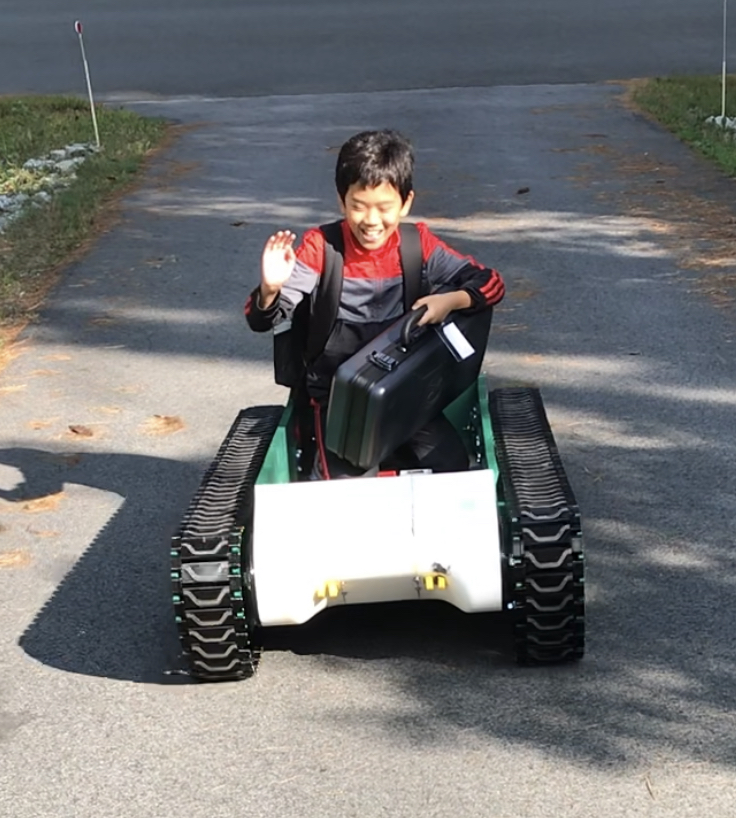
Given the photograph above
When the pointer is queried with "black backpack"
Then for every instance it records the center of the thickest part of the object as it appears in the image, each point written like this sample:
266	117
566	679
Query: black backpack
297	343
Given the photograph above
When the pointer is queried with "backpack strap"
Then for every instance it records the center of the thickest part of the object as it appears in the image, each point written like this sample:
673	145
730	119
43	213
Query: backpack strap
327	297
411	263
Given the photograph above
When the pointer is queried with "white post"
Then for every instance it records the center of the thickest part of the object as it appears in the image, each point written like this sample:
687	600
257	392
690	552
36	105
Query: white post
78	29
724	75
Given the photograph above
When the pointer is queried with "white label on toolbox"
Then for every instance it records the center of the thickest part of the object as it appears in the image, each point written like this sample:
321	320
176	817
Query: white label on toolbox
457	341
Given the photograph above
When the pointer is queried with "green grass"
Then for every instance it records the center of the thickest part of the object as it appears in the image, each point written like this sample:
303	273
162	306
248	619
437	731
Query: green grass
35	244
682	104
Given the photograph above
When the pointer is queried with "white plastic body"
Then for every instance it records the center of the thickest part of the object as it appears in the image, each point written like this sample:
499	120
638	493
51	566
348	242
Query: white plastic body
376	539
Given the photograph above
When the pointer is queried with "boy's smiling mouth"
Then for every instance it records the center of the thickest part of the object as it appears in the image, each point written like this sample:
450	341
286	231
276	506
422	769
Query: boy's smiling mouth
372	235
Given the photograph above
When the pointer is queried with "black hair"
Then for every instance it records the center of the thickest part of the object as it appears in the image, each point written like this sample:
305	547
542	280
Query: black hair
371	158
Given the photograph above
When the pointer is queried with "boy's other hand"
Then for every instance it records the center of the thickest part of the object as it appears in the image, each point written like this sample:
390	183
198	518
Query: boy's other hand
440	305
277	264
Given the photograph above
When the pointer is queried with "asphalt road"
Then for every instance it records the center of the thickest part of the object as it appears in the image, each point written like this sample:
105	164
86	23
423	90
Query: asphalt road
116	399
229	48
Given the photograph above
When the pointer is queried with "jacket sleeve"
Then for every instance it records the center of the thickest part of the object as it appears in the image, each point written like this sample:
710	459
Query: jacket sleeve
300	284
447	270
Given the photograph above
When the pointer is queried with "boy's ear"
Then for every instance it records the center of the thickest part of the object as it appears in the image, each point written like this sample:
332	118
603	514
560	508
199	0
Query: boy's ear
406	207
341	204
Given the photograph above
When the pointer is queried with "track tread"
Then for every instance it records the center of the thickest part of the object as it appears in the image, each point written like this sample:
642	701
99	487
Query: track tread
543	532
212	586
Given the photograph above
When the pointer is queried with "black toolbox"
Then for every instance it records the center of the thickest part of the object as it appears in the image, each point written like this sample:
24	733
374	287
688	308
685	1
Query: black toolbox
406	376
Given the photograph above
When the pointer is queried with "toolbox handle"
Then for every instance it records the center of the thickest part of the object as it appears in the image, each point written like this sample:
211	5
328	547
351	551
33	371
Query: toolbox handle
410	324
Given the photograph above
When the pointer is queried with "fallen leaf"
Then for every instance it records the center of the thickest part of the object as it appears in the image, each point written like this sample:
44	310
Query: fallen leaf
82	431
45	372
237	224
523	190
163	425
14	559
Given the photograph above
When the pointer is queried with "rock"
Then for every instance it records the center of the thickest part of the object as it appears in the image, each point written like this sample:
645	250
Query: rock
69	165
42	197
54	181
39	164
58	156
722	122
79	149
6	203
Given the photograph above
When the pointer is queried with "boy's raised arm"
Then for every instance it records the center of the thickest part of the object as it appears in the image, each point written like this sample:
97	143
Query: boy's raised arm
277	264
285	280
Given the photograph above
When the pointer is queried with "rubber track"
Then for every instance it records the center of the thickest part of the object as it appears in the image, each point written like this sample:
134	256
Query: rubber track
212	586
543	538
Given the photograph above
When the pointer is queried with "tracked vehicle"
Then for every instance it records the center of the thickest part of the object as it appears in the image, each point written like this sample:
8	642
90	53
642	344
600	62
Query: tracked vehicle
261	545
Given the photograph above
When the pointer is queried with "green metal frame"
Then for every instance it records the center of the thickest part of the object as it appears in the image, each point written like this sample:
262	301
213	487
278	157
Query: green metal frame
279	465
468	413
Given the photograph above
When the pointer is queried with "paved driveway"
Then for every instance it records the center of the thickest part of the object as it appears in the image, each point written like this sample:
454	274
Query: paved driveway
119	395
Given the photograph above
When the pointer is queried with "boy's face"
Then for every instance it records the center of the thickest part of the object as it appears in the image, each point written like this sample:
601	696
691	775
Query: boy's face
374	213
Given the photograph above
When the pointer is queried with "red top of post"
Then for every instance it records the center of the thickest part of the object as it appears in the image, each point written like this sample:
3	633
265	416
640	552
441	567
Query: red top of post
78	27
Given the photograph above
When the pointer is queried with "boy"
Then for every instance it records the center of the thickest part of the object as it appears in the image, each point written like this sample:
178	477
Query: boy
373	177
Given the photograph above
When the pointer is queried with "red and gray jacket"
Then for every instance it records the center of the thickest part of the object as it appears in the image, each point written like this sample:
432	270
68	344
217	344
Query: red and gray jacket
372	293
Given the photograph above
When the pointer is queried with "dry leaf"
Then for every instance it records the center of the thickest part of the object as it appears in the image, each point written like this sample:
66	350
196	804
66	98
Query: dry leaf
81	431
163	425
14	559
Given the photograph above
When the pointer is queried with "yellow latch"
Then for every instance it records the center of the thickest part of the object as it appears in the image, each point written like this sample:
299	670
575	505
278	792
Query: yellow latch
435	581
330	589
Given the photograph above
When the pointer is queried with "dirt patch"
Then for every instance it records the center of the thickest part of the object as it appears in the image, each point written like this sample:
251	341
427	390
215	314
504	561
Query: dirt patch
37	425
107	410
8	390
56	357
43	534
37	505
